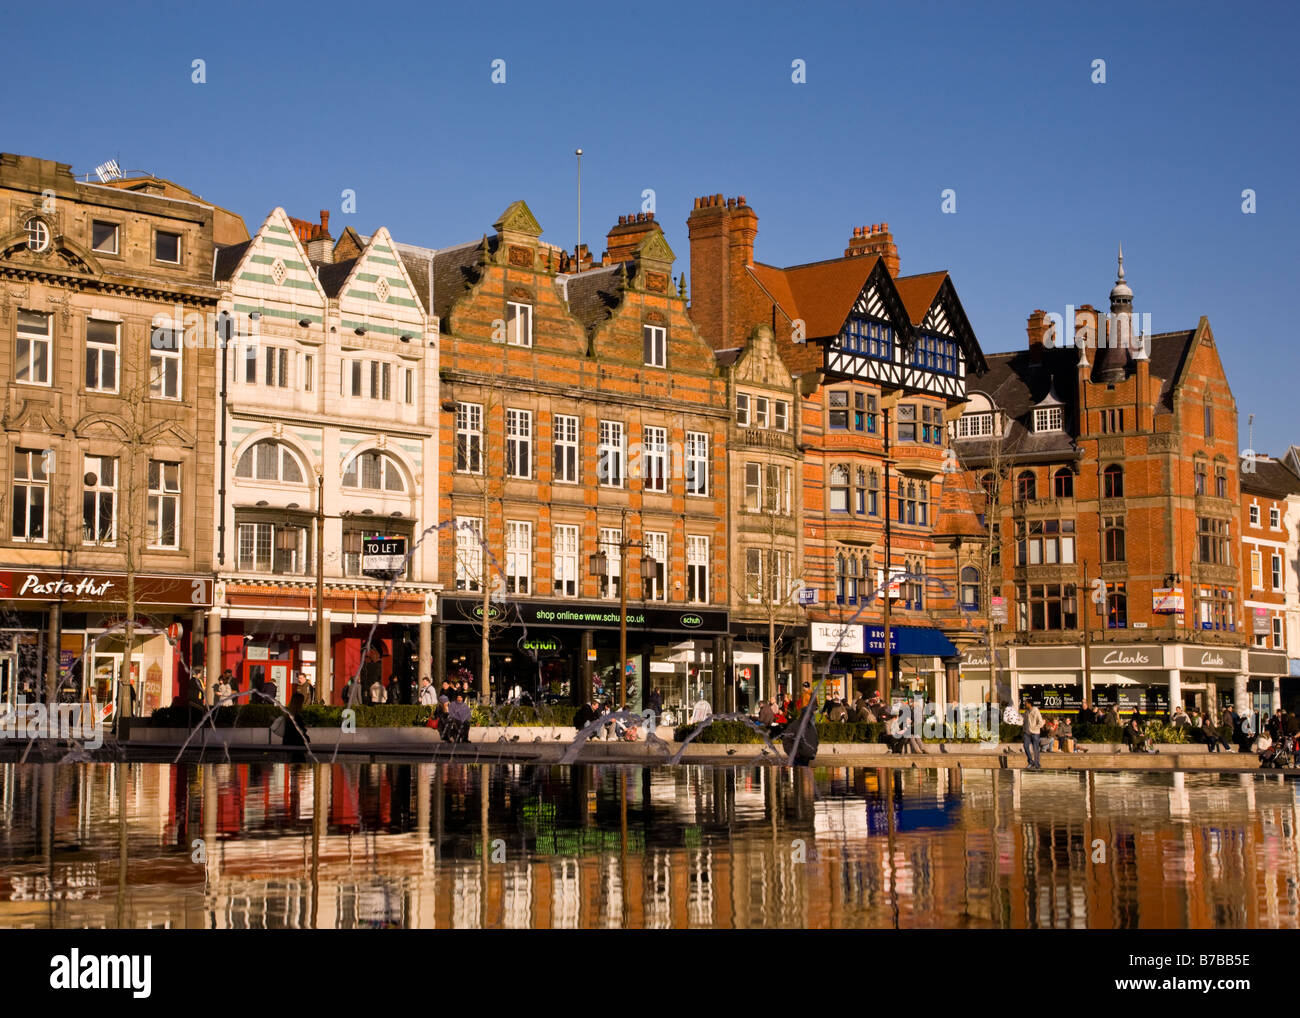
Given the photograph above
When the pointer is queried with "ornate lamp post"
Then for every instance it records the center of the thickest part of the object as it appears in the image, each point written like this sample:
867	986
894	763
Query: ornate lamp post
597	565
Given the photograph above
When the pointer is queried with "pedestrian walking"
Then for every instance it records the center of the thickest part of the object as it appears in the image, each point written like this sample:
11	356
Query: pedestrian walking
1033	727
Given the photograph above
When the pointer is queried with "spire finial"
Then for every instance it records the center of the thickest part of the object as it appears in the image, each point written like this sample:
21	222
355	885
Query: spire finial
1121	262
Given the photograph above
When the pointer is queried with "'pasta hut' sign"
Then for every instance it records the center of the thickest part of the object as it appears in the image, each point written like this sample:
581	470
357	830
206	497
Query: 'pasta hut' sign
103	588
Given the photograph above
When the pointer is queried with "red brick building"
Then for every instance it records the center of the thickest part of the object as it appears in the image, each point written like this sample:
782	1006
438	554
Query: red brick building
1109	459
581	413
882	363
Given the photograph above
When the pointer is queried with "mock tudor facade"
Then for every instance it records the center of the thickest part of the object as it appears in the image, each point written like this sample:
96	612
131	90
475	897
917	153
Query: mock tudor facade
882	364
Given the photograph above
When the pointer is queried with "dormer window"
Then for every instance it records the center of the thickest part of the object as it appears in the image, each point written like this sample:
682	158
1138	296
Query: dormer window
1048	419
975	425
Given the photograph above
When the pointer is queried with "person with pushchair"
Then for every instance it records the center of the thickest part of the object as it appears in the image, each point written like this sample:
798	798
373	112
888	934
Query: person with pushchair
459	719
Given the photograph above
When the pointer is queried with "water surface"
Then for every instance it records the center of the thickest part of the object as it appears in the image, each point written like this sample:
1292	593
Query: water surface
257	846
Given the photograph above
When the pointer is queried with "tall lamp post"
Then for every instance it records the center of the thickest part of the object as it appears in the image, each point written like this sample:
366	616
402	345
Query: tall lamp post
597	565
885	682
1073	607
322	629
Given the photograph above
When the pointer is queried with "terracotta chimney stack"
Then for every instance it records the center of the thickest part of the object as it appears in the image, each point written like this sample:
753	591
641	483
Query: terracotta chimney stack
722	233
874	240
1038	328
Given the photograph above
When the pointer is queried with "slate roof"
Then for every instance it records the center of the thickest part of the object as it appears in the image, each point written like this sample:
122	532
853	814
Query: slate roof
454	272
1015	386
334	275
227	260
593	295
1270	477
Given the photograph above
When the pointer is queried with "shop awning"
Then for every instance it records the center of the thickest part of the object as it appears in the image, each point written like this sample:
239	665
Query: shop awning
924	641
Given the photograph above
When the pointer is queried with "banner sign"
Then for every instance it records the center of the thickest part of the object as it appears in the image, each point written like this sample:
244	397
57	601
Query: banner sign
75	587
1167	600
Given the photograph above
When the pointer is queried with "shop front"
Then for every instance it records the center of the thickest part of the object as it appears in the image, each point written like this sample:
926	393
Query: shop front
849	657
1040	671
81	617
1266	670
268	636
1213	677
983	676
1145	678
563	651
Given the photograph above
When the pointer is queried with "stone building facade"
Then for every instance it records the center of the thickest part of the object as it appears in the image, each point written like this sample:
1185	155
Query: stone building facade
328	415
109	435
764	520
1270	511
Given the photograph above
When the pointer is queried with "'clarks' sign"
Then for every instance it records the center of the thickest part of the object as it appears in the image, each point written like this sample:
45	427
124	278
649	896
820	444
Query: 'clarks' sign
104	588
1127	657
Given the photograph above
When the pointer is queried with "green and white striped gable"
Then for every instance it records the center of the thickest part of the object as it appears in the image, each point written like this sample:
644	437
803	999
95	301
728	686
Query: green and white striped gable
275	276
378	294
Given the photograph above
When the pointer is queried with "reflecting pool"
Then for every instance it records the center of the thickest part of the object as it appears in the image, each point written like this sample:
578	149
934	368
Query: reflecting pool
255	846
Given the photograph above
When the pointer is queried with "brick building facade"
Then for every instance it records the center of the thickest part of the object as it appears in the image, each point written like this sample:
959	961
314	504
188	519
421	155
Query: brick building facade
881	363
581	413
1109	458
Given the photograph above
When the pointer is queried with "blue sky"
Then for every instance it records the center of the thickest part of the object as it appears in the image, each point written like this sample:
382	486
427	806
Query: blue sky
1050	170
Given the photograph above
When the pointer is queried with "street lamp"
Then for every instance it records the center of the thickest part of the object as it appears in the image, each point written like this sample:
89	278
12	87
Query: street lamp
596	566
1070	604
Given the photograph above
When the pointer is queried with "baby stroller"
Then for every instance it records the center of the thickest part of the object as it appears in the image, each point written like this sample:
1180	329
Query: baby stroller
1280	754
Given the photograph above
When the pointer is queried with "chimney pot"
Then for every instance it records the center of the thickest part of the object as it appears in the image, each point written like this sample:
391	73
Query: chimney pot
741	200
649	217
884	227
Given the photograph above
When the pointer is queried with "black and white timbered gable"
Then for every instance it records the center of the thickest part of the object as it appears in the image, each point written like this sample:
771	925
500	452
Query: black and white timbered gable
871	339
928	351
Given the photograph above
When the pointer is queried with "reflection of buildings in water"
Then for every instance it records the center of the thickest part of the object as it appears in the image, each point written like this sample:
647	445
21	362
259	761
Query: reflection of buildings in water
700	851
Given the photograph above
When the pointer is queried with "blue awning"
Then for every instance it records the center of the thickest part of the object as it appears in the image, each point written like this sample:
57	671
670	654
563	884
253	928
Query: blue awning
912	641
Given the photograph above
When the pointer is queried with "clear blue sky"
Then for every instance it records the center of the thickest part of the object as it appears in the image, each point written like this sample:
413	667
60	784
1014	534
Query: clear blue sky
902	101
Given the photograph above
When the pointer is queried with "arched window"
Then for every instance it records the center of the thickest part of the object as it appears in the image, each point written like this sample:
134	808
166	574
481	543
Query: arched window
373	471
839	488
873	493
1113	481
1113	543
1026	486
860	492
852	583
269	460
1063	483
923	503
916	584
970	588
911	501
1116	606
